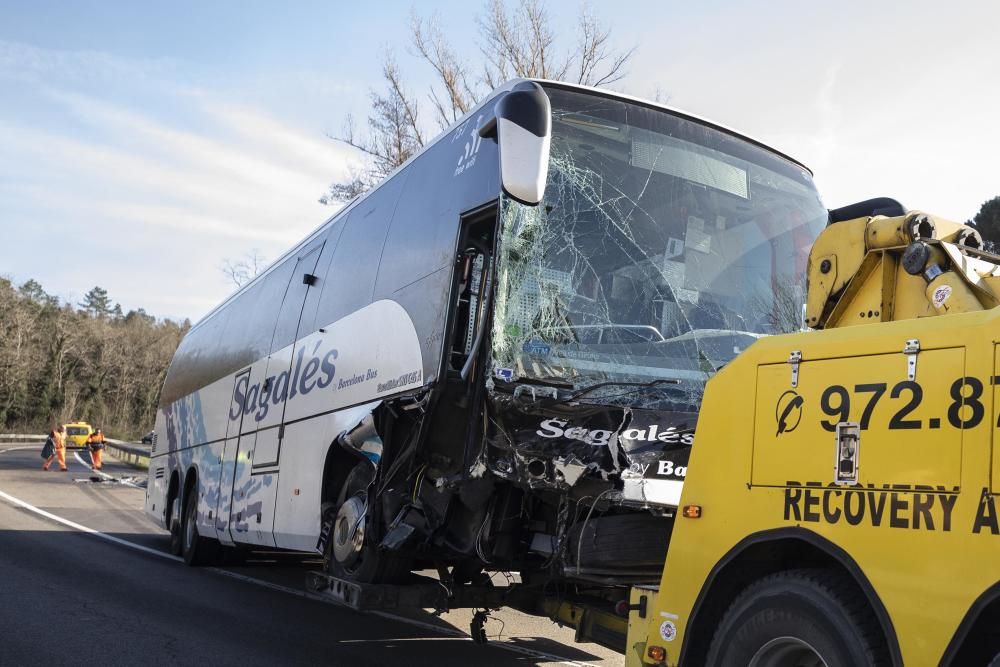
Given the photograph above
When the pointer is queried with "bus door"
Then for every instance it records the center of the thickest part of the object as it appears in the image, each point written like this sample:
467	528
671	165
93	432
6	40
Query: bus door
228	464
253	510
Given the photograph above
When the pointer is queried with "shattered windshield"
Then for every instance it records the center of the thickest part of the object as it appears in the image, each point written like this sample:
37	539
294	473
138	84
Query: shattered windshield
662	249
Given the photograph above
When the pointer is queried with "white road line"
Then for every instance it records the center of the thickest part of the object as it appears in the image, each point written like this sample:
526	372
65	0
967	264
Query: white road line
277	587
84	529
89	468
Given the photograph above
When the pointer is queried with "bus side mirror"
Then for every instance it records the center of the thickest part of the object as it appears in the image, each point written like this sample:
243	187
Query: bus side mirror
523	130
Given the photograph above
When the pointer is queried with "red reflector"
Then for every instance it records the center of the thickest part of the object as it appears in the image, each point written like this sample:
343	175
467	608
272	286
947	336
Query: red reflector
692	511
657	653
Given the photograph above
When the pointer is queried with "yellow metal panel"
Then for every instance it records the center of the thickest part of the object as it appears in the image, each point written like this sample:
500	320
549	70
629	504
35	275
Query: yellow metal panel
910	302
928	575
862	299
949	293
995	420
637	623
794	428
844	245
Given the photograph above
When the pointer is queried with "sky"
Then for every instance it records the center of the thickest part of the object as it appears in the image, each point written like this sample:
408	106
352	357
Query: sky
144	144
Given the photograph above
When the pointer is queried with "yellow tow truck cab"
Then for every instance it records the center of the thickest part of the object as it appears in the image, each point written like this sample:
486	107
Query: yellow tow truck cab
840	507
77	433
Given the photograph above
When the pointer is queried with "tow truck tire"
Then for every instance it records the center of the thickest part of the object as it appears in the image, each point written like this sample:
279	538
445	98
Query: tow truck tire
801	617
372	565
195	549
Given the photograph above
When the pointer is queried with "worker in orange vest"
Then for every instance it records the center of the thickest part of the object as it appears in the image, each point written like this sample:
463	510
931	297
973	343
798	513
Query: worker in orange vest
95	441
58	439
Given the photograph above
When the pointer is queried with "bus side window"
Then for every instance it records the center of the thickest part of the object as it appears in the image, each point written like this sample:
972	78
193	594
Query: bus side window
350	280
422	236
254	313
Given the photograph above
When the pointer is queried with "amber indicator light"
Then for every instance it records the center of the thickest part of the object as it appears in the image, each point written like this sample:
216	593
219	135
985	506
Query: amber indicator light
692	511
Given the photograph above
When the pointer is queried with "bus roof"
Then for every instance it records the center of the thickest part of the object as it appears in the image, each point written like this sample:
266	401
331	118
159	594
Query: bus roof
494	93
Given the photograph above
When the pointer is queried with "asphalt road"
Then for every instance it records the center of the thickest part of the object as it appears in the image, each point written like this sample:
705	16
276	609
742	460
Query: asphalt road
86	578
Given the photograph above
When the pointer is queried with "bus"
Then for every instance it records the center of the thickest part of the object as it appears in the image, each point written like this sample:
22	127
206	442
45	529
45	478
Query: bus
493	360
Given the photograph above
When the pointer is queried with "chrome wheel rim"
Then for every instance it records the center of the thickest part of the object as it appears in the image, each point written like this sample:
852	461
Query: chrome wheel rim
787	652
349	531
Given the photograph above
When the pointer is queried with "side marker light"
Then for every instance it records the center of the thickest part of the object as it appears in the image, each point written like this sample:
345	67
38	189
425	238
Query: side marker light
657	653
692	511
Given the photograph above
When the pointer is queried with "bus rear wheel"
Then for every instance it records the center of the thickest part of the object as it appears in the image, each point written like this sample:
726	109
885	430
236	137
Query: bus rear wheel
176	546
801	618
195	549
352	550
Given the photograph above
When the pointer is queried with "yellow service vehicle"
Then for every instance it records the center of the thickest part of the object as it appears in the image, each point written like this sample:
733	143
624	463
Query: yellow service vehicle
840	508
77	433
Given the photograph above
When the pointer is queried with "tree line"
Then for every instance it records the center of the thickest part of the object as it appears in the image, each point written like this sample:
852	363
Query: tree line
987	221
91	361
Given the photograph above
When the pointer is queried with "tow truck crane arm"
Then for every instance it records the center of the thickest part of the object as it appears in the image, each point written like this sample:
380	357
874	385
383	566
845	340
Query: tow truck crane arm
905	265
759	508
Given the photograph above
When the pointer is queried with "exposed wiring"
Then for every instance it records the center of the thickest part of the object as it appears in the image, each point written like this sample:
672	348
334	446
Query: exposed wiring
479	535
502	626
416	483
483	315
583	529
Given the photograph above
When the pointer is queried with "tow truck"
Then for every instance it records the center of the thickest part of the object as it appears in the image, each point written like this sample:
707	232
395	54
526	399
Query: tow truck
840	507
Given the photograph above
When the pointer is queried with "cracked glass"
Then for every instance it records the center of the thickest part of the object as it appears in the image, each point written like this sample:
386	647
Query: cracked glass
663	248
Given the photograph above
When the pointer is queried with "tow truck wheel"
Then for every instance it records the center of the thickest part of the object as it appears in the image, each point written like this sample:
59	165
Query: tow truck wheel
801	618
352	549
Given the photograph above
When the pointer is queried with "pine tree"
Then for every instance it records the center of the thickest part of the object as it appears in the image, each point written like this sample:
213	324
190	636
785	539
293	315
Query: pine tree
97	303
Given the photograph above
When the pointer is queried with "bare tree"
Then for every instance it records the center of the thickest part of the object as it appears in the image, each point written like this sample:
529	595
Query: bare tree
243	270
516	39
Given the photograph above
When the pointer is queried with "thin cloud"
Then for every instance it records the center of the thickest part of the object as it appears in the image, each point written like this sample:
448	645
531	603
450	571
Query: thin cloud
124	158
187	148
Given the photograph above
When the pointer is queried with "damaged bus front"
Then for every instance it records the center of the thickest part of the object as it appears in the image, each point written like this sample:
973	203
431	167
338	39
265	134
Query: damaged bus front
493	360
661	248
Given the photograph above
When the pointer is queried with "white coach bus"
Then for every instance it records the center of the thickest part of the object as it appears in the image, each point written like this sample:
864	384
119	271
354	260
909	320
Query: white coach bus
494	359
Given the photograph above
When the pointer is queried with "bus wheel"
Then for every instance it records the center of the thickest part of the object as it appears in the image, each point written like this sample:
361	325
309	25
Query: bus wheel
800	618
352	550
195	549
175	536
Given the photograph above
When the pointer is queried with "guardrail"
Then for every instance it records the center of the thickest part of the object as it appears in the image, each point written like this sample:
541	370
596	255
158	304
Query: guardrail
129	453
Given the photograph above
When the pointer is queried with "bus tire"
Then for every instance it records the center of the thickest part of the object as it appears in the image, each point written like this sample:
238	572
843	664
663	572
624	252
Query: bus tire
370	564
175	536
799	617
195	549
174	522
